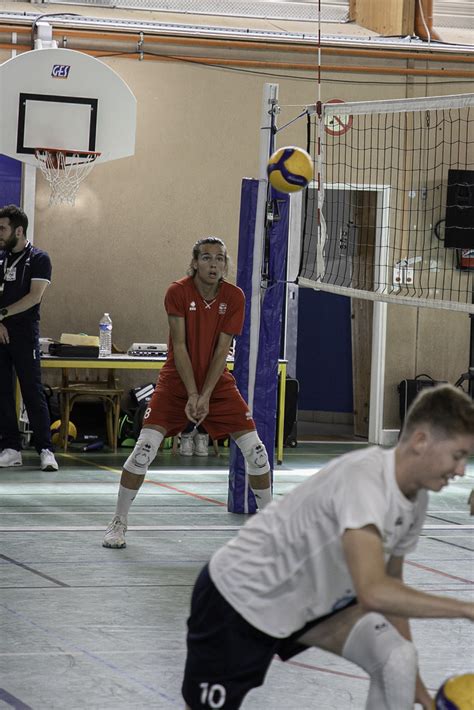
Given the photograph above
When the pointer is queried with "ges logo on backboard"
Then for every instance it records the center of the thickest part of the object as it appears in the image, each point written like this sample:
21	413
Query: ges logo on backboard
60	71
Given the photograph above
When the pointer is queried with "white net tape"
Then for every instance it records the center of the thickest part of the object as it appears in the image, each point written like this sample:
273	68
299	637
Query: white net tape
64	171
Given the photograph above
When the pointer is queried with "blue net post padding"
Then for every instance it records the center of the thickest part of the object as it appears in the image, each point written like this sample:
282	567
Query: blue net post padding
264	335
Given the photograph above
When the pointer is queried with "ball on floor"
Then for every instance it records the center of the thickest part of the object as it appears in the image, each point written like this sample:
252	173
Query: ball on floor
56	432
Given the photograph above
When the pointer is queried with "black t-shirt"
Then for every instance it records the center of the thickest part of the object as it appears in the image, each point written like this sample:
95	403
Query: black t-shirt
17	271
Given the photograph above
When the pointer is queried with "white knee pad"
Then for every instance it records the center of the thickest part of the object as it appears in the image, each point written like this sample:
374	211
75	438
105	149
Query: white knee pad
390	660
254	453
144	452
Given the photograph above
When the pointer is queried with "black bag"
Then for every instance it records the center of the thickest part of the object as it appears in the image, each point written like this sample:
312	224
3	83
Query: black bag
52	400
126	431
65	350
408	390
138	417
134	406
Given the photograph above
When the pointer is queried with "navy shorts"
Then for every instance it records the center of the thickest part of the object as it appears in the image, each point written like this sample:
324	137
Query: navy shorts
227	656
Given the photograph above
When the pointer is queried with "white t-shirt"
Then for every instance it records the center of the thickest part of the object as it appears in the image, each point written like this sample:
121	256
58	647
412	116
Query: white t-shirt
286	566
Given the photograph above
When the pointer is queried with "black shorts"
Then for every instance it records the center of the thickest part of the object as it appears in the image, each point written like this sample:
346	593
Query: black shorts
227	656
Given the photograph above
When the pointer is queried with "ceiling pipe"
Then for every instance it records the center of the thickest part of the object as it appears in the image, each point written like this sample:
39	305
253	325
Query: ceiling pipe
66	38
279	66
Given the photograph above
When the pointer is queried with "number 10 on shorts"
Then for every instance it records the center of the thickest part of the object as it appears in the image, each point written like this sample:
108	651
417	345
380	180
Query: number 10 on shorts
212	696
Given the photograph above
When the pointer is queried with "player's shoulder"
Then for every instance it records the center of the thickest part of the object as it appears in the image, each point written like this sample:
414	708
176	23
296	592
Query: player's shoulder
231	291
369	462
38	258
39	253
183	282
180	284
377	459
364	455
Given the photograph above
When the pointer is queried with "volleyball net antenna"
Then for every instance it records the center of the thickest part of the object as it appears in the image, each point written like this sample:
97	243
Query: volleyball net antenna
390	215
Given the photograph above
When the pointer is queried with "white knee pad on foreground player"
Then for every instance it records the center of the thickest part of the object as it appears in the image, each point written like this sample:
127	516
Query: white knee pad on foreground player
375	645
254	453
144	451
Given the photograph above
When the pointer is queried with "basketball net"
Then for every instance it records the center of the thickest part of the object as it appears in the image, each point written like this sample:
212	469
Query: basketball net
64	170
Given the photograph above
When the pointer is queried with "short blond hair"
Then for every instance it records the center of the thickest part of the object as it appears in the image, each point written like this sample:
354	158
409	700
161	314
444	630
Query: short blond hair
447	409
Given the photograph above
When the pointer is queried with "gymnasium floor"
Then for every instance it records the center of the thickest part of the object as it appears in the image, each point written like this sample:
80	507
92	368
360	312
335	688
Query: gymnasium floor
82	626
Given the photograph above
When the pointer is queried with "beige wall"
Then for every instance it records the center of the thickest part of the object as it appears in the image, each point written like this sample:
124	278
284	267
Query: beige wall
135	220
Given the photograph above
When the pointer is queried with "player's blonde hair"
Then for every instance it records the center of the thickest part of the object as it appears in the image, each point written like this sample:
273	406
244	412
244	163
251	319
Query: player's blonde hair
444	408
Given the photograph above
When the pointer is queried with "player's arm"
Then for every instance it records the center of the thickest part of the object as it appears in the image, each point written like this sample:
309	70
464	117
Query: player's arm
395	569
376	590
37	289
218	363
183	363
181	355
214	372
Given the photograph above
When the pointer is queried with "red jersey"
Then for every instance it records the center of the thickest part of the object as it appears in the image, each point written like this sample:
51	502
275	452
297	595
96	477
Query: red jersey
204	322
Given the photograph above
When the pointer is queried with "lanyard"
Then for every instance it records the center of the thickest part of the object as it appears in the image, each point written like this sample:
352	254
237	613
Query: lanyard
12	266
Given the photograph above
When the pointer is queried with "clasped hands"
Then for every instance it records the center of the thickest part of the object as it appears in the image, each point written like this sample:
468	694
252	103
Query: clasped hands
197	407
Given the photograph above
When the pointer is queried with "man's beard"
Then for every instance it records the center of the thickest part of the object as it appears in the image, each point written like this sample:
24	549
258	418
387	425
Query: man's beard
11	242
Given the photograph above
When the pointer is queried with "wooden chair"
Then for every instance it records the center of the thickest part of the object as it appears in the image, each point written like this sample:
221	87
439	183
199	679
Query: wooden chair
103	390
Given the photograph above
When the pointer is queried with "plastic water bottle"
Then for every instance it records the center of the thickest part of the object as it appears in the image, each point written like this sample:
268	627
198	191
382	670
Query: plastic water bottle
105	335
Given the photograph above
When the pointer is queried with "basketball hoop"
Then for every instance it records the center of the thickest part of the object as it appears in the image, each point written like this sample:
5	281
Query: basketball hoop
65	170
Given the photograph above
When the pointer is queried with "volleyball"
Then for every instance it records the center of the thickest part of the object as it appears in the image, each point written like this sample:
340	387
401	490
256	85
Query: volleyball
456	693
290	169
56	429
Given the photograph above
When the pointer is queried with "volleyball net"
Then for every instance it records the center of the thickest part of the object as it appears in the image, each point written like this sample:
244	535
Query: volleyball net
390	215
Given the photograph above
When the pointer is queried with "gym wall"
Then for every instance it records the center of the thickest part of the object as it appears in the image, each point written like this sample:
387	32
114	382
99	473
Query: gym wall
135	220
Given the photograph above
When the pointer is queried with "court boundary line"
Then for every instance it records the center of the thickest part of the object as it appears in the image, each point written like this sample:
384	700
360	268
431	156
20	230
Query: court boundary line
131	528
148	480
11	561
437	571
142	528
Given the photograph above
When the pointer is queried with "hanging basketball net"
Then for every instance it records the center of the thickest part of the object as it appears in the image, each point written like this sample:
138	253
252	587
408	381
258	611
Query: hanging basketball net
65	170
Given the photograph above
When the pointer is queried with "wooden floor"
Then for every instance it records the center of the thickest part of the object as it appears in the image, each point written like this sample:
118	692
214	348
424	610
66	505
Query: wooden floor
82	626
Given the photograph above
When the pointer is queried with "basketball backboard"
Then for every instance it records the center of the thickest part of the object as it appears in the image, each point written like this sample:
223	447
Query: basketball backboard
61	98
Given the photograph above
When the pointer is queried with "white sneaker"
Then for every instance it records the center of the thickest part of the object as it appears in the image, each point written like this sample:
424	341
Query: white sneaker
48	462
10	457
115	533
186	445
201	444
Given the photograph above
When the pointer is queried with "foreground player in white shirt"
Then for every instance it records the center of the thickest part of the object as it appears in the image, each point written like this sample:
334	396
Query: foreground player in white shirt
323	567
